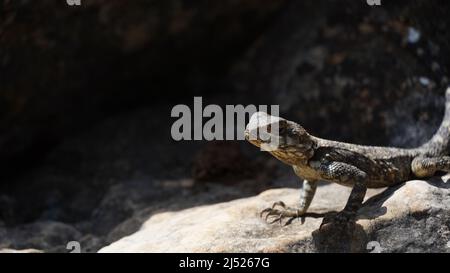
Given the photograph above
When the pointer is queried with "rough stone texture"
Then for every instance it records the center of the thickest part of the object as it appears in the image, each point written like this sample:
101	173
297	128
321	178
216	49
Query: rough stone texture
414	217
47	235
346	64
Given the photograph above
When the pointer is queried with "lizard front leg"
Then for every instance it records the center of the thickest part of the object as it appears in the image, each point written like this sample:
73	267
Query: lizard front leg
346	174
306	196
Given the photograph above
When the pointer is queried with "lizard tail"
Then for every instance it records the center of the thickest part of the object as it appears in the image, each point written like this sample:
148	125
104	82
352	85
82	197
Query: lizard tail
439	144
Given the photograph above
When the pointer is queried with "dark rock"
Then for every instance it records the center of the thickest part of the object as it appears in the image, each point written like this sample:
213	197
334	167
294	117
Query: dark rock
344	72
63	67
120	202
221	161
47	236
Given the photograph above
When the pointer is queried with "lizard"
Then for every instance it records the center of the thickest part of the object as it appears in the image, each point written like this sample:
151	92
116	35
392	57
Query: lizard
361	167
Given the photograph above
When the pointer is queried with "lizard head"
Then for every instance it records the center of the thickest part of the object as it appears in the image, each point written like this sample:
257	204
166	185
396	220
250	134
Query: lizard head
284	139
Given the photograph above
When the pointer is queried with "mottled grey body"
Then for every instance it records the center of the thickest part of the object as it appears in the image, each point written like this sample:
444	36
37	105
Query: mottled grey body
357	166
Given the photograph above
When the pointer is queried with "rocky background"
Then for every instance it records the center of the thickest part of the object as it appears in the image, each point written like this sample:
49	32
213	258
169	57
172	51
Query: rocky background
86	93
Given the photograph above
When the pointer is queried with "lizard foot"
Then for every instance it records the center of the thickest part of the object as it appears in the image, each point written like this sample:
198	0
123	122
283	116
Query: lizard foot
282	213
341	218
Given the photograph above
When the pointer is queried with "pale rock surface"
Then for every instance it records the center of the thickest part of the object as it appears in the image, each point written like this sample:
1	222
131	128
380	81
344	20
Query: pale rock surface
28	250
413	217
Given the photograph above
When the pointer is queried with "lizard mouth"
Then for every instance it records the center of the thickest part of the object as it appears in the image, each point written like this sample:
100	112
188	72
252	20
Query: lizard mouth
268	141
277	135
260	129
258	137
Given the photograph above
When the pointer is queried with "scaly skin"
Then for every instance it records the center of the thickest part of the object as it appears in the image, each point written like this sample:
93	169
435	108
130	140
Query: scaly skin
356	166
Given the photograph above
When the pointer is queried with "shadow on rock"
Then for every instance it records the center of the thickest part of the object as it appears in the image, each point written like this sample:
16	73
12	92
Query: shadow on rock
373	207
440	181
335	238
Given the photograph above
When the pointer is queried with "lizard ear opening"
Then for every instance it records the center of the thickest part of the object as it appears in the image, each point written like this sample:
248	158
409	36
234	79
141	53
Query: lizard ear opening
282	127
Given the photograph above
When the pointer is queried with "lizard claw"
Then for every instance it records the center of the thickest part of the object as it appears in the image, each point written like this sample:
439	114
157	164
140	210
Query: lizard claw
278	219
269	212
279	203
272	210
281	214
